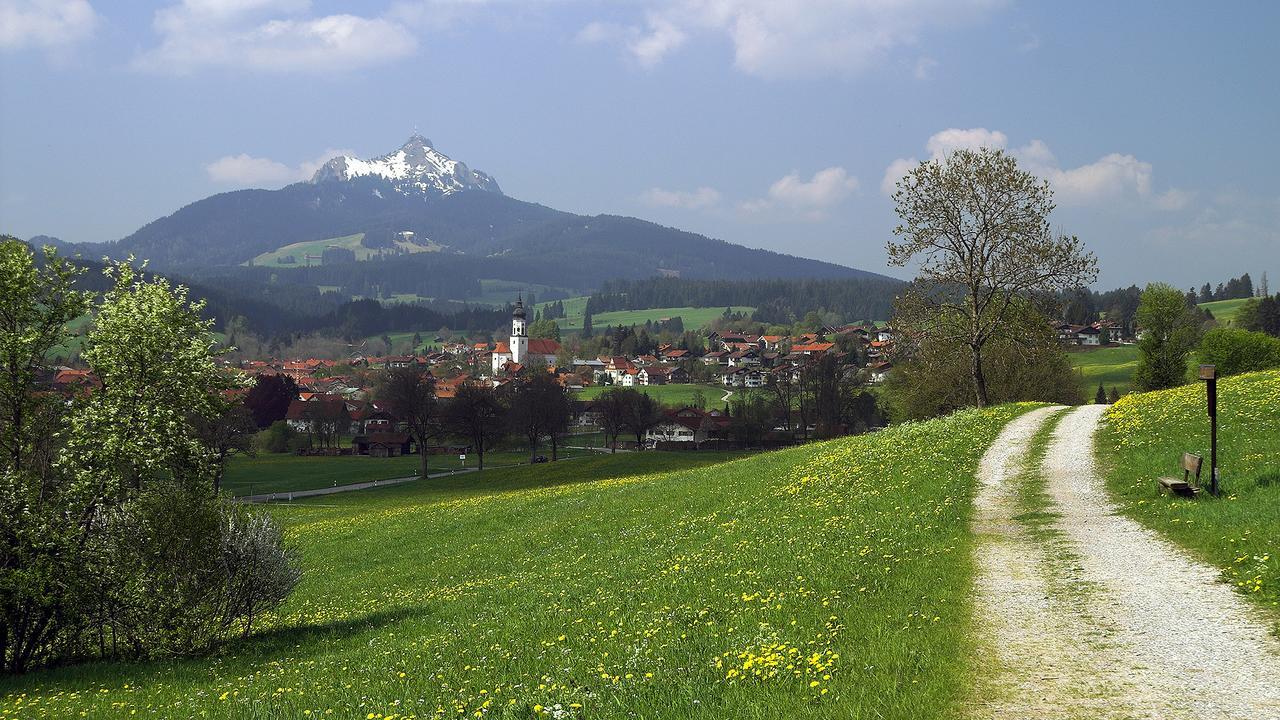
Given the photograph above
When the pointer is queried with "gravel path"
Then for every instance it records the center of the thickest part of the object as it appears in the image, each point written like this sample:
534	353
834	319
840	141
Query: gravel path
1089	615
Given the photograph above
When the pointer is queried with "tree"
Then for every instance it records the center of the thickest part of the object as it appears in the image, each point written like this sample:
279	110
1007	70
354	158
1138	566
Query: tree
538	408
152	353
228	433
1235	351
1100	397
269	398
979	227
474	413
642	413
783	387
586	325
1170	330
409	394
1113	396
613	408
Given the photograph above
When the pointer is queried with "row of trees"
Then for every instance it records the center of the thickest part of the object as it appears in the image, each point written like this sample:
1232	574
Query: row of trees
110	495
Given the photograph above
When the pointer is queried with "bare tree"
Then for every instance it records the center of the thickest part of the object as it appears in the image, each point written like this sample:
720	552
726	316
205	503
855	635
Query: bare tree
475	413
409	394
979	228
612	406
539	408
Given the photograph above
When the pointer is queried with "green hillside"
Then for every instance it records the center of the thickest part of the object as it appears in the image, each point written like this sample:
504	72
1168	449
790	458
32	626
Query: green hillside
299	251
1145	437
823	581
667	394
693	318
1224	310
1113	366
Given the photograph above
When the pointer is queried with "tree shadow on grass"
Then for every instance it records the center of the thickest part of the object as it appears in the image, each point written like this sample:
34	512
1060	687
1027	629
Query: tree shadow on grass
293	642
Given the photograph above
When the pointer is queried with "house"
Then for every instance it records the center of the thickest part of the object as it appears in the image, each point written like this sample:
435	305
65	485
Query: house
1089	335
744	378
719	357
813	348
742	358
879	371
677	376
627	378
327	410
382	444
688	424
653	376
674	355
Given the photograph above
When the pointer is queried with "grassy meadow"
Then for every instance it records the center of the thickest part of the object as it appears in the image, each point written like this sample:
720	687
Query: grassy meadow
672	395
316	247
286	472
1224	310
1112	365
1144	437
830	580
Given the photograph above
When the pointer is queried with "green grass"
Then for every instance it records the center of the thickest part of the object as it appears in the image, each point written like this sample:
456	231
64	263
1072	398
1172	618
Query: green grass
825	581
1224	310
674	395
316	247
1112	366
1144	438
268	473
502	292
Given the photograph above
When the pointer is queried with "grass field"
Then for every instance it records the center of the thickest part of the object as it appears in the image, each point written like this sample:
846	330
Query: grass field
674	395
268	473
317	247
1224	310
693	318
824	581
1145	437
1113	366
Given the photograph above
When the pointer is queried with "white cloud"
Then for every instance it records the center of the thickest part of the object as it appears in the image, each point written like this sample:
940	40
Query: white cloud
244	170
1113	178
775	39
924	67
44	23
703	197
269	35
826	189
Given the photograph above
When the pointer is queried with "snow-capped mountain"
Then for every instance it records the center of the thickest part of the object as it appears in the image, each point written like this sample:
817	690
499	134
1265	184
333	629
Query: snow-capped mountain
417	168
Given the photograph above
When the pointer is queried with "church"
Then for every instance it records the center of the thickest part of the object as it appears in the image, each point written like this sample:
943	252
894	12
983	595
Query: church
520	349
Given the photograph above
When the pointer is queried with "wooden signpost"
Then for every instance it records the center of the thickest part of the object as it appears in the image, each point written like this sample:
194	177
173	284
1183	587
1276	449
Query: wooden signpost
1209	373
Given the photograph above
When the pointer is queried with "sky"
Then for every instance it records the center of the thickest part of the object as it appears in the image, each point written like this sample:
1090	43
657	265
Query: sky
779	125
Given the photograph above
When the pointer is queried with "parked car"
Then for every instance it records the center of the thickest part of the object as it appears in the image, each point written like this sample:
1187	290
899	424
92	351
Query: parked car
539	459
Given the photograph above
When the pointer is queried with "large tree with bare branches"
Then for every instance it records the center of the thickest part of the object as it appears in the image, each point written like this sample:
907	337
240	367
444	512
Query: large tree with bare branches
978	229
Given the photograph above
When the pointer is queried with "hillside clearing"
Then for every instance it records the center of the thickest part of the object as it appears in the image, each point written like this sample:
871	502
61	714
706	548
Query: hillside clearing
280	257
1224	310
677	395
1113	366
830	580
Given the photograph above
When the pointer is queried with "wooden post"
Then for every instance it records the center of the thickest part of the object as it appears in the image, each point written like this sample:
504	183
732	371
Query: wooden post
1209	374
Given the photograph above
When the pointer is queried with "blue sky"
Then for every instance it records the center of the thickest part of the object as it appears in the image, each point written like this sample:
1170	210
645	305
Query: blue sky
770	124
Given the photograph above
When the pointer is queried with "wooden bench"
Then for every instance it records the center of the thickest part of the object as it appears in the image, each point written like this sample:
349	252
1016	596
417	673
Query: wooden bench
1184	485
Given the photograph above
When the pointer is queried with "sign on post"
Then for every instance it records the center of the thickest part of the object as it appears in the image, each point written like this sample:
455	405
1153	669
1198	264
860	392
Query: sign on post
1209	373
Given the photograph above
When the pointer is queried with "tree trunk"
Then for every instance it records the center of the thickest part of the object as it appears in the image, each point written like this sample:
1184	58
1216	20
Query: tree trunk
554	445
422	450
979	378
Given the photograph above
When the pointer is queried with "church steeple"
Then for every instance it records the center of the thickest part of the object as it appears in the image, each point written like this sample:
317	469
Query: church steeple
518	318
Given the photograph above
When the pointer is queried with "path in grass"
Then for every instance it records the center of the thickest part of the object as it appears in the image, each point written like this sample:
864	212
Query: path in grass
1085	613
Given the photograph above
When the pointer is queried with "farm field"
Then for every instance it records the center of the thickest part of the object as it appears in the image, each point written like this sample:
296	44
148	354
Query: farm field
830	580
674	395
1112	366
1144	437
286	472
1224	310
299	250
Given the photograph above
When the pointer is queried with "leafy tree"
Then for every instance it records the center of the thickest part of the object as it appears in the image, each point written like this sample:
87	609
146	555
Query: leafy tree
279	437
474	413
1170	330
545	328
269	398
979	228
1236	351
409	394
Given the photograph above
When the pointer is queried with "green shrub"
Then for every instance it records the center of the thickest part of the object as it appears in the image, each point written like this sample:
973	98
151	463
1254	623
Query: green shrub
1236	351
279	438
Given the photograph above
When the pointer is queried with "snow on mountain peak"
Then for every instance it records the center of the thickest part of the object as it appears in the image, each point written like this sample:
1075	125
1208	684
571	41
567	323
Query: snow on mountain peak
417	168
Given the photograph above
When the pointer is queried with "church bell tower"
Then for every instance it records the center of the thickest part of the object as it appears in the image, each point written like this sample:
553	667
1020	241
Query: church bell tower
519	334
